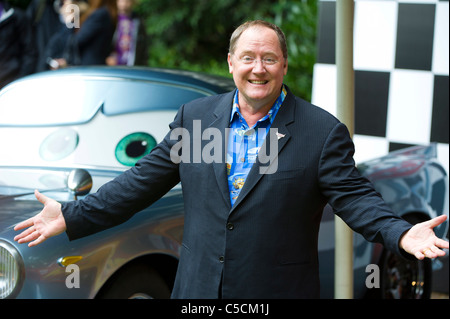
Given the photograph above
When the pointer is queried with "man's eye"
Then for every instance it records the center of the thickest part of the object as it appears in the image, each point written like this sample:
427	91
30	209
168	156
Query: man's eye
270	61
247	59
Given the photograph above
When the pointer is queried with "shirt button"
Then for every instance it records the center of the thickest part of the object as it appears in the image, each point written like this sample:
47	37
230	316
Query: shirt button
230	226
221	259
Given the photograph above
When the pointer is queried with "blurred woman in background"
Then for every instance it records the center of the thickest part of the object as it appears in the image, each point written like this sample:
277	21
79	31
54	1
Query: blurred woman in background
90	43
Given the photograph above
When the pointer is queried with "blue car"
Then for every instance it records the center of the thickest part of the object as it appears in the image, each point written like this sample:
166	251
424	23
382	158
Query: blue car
68	132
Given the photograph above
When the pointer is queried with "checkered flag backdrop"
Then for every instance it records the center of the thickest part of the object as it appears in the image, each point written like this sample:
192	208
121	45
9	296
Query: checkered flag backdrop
401	62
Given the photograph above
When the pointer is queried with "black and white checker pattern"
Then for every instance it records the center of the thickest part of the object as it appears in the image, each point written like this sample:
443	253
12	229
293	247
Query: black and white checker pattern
401	62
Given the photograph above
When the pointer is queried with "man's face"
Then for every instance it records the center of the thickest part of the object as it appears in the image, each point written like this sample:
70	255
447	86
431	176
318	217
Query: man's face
259	84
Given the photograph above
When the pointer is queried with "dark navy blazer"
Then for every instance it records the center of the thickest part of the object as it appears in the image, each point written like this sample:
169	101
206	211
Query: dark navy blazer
265	246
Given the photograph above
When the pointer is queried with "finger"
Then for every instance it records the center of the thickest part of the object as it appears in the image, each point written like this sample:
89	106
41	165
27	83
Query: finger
437	252
26	223
432	252
419	255
437	221
441	243
34	235
40	197
24	233
39	240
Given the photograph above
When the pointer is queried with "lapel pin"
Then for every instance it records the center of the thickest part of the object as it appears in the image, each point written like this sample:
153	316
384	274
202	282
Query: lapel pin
279	135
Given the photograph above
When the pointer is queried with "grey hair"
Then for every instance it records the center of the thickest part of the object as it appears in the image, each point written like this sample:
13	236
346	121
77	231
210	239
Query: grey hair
254	23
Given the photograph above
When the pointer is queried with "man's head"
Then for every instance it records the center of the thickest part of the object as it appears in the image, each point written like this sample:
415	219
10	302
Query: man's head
258	23
258	61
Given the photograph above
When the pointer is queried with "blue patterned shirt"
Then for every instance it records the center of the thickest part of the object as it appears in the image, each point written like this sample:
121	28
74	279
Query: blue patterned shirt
244	143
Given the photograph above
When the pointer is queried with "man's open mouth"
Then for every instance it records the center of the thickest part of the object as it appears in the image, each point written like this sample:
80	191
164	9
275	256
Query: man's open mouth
257	82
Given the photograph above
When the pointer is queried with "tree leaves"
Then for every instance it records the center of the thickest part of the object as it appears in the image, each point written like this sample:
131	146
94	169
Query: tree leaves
194	35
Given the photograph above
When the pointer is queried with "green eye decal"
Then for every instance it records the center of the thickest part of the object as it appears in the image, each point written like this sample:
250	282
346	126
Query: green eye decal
59	144
133	147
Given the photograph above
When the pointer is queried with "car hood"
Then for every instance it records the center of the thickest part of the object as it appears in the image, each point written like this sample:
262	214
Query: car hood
15	210
17	185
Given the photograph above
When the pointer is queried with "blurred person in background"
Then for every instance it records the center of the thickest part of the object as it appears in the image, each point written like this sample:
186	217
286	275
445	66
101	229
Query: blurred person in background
90	44
17	53
129	43
45	19
61	49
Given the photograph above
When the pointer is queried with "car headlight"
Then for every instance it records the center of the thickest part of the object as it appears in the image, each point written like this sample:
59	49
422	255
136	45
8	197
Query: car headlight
12	271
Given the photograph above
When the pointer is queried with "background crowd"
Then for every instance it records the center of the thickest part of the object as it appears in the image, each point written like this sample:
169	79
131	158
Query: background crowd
53	34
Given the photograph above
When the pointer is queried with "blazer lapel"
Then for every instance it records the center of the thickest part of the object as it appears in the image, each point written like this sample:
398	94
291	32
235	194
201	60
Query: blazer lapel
222	121
284	117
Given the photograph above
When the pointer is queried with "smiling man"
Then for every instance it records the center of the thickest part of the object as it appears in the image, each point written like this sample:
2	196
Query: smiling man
248	234
258	65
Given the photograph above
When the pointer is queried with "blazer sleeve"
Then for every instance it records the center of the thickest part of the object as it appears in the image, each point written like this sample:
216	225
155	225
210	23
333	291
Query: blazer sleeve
135	189
353	197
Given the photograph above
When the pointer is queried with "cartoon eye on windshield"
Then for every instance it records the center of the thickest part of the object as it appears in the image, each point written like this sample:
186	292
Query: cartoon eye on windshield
133	147
59	144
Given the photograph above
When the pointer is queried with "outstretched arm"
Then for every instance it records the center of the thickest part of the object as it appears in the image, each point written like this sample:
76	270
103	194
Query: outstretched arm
114	202
49	222
421	241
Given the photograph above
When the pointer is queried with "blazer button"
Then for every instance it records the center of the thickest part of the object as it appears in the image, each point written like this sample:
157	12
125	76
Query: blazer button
230	226
221	259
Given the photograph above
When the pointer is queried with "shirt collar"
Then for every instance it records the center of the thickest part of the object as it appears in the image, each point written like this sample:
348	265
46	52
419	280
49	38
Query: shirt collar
272	112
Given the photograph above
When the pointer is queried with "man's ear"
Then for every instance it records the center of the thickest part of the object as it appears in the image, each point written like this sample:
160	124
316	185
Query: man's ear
230	63
285	66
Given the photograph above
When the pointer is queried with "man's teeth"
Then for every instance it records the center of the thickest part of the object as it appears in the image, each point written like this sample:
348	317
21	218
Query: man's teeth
258	82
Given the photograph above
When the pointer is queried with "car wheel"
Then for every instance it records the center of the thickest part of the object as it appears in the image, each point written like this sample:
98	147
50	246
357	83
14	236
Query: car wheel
402	279
135	282
405	279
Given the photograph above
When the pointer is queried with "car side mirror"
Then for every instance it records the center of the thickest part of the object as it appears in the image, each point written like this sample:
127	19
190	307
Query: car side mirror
79	182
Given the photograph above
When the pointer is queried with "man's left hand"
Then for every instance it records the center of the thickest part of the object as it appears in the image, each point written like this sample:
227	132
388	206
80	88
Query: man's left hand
421	241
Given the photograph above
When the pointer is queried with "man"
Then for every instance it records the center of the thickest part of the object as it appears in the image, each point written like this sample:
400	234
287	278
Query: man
250	229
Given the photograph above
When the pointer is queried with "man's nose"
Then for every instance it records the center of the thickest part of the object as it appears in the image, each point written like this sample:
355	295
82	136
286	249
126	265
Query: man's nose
258	66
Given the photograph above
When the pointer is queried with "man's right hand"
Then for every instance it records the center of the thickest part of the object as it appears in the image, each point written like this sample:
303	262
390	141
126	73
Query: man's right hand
49	222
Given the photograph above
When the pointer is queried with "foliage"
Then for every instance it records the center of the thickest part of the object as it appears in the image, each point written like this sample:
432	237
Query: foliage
194	35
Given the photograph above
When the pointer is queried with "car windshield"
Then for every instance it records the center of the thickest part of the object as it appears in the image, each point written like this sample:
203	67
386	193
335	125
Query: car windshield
50	101
15	181
73	100
12	190
22	181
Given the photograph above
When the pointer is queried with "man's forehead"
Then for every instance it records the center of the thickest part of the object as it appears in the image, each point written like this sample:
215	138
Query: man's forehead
256	29
253	36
